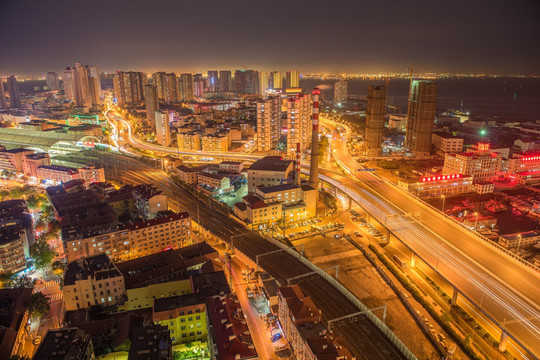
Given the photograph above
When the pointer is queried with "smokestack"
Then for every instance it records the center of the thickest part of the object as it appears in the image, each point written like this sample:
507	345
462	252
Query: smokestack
314	168
298	164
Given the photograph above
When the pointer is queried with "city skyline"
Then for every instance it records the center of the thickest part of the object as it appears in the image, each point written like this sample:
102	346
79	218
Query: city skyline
345	37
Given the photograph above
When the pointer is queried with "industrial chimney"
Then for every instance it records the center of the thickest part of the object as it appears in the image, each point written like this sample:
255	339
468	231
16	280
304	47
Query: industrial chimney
314	168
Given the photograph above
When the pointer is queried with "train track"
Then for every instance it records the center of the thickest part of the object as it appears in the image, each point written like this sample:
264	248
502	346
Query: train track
363	338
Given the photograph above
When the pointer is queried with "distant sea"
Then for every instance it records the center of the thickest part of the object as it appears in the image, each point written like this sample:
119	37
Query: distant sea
513	99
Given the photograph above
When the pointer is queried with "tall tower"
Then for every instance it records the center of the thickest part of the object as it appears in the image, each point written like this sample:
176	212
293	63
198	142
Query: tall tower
152	103
225	81
163	134
213	81
298	115
277	79
198	86
158	79
314	166
292	79
375	112
3	102
94	83
52	81
13	90
263	82
186	87
170	88
340	92
421	116
268	123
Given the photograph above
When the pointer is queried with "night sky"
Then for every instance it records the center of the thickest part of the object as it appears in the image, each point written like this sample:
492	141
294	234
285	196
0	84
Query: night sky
478	36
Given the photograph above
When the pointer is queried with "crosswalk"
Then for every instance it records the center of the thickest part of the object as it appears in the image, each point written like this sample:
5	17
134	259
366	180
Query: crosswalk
56	297
51	283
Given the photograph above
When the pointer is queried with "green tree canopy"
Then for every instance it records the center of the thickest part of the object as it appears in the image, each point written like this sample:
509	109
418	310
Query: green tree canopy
38	305
42	253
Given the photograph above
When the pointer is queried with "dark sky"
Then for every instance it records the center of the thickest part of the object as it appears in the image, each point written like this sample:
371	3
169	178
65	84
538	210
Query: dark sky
355	36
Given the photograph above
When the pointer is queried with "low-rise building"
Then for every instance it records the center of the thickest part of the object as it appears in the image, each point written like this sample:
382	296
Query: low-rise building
63	344
269	171
482	188
438	185
480	222
231	167
91	281
91	174
230	337
13	242
57	173
190	141
31	163
13	159
13	321
519	239
483	165
216	182
149	200
527	177
447	143
219	142
151	342
187	174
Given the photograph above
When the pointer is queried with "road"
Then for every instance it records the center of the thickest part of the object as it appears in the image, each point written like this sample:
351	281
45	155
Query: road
506	290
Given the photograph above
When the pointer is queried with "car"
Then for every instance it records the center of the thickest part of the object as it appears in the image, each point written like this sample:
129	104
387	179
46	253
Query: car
356	233
276	337
337	236
278	348
37	340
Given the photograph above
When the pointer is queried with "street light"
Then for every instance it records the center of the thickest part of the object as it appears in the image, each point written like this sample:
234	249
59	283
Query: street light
476	221
519	243
443	199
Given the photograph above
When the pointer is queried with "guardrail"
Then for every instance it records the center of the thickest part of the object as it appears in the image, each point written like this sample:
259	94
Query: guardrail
352	298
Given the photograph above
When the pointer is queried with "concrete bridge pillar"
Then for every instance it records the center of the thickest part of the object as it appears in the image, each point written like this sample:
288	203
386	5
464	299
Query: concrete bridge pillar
454	297
350	203
503	341
413	257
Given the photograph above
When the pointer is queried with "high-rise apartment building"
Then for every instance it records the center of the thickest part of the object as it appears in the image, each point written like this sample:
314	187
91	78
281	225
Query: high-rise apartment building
3	101
340	92
163	131
151	103
129	87
225	81
276	78
13	90
198	85
246	82
186	87
421	116
82	85
213	81
298	122
170	88
375	112
53	83
292	79
268	123
264	82
158	80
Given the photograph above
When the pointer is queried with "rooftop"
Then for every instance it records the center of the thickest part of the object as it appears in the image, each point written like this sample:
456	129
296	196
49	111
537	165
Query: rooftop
146	191
445	135
65	169
97	267
157	221
271	164
151	342
67	343
276	188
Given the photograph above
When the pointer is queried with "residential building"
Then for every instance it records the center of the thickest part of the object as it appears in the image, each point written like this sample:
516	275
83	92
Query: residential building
129	87
149	200
198	85
299	128
90	281
53	83
65	344
187	175
231	167
13	90
13	320
31	162
91	174
290	194
229	335
292	79
13	159
447	143
438	185
82	85
300	320
375	113
213	81
218	142
264	82
268	123
191	140
94	84
421	116
482	165
150	342
13	242
170	88
3	101
186	87
246	82
163	130
340	93
269	171
216	182
519	239
484	187
57	173
151	103
276	80
225	82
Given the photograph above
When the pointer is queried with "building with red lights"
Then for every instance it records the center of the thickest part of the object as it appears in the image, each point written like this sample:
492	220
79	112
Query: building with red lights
481	165
438	185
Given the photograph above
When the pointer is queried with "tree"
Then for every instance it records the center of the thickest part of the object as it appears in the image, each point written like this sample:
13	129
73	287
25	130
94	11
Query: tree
38	305
18	357
42	253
